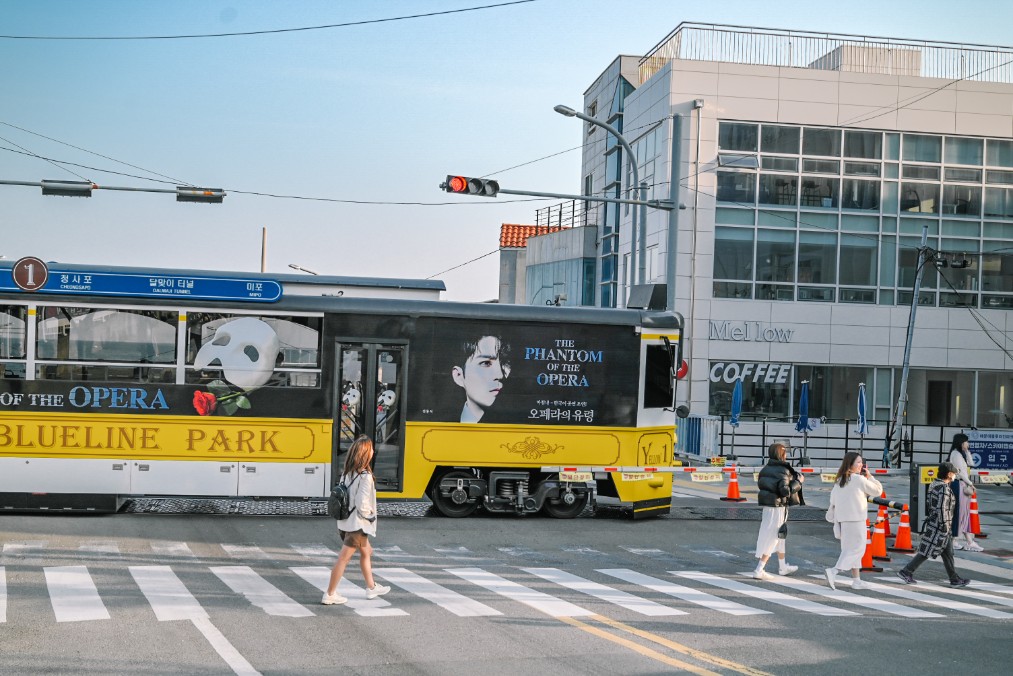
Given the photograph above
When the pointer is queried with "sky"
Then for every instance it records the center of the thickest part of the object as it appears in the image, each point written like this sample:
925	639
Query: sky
378	112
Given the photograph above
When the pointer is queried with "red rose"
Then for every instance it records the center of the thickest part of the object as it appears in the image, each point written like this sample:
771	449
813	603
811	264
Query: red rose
204	402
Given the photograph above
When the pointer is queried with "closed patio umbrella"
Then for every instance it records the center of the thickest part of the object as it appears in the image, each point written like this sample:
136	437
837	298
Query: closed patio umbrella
803	420
863	425
736	412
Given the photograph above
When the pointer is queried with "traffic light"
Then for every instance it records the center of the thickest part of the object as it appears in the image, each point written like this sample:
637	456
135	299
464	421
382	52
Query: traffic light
186	193
462	185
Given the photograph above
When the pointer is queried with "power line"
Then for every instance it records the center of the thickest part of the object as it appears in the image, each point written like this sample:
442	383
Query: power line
265	32
463	264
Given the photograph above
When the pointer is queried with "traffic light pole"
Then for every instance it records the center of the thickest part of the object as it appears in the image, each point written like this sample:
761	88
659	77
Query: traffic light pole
655	204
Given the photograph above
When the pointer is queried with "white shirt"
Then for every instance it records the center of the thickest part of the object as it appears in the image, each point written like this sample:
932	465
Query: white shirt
849	501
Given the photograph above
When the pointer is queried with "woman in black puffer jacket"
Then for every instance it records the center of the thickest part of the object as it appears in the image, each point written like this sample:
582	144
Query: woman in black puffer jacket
780	487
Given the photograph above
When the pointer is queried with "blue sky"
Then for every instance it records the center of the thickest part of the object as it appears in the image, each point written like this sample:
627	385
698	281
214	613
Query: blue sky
378	112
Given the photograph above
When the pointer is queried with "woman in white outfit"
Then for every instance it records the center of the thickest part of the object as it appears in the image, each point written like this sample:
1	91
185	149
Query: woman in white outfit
962	489
849	512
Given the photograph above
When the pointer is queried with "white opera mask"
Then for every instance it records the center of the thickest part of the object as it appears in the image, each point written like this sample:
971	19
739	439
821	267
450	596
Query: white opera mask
386	399
246	349
351	398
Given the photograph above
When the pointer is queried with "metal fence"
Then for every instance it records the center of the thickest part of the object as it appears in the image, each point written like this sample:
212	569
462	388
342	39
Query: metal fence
564	215
830	51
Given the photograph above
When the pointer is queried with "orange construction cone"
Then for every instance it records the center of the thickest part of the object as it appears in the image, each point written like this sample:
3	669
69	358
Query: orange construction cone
884	515
879	542
733	489
903	541
867	563
975	521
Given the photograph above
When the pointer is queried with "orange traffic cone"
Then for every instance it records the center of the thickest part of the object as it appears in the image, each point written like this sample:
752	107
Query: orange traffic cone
903	541
733	489
867	563
884	515
975	521
879	542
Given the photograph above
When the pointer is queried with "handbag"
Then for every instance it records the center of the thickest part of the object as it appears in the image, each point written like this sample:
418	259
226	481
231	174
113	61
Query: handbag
966	489
782	532
831	513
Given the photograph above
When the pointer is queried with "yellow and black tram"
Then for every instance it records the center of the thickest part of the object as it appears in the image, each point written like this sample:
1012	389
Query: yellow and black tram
122	382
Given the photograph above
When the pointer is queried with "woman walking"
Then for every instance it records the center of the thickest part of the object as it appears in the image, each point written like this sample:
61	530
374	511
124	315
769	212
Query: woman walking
848	512
963	490
936	539
360	524
780	487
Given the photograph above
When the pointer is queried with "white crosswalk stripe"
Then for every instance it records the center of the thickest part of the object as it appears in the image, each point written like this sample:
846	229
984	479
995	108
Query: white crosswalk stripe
23	547
540	601
316	551
260	592
175	549
849	597
992	587
166	594
616	596
458	604
700	598
73	594
777	597
245	551
319	576
959	591
100	547
3	595
931	600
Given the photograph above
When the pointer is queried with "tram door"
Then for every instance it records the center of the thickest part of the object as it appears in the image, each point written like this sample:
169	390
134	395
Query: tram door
371	377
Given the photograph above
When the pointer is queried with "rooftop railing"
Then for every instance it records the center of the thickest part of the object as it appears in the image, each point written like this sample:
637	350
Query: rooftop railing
830	51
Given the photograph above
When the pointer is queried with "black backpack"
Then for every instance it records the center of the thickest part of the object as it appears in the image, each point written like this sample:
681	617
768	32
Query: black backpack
339	504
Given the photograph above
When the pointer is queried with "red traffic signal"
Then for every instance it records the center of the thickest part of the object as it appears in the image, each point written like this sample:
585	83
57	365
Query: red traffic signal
463	185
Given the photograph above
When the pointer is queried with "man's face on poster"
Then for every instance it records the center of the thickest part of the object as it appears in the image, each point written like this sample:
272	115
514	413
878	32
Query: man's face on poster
482	374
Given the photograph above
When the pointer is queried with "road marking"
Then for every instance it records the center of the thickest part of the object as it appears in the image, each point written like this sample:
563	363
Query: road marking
3	595
994	571
459	554
549	605
777	597
458	604
931	600
991	586
616	596
179	549
260	592
689	594
959	591
316	551
395	552
19	548
74	595
166	594
319	577
856	599
100	547
170	600
244	551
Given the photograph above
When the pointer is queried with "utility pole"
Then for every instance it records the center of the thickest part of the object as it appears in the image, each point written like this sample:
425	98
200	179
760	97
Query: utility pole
900	413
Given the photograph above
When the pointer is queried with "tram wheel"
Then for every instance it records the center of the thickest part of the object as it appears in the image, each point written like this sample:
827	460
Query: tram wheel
560	509
445	505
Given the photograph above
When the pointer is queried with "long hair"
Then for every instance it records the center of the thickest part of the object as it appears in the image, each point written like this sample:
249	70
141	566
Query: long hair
843	475
958	442
777	451
359	455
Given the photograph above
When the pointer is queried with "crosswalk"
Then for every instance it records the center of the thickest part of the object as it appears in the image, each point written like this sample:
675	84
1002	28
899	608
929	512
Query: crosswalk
287	582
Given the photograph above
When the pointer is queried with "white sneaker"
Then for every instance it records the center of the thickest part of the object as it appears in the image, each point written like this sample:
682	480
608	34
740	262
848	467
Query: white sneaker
831	574
860	584
974	547
787	569
377	590
957	544
334	599
761	575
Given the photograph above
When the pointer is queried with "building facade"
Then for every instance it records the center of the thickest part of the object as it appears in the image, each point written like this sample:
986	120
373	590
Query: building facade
807	169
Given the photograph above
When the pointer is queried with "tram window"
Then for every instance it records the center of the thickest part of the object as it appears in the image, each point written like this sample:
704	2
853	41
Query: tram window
12	371
106	335
105	373
12	331
658	377
253	351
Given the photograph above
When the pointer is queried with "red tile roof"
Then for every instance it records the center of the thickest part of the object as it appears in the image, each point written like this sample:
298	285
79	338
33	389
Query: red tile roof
516	236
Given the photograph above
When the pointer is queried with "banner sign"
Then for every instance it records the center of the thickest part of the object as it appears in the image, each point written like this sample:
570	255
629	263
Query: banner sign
991	449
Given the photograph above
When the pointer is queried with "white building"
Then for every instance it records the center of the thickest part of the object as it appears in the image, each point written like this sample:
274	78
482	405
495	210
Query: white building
808	166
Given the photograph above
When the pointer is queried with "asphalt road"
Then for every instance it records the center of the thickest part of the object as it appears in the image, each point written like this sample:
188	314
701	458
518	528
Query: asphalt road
157	594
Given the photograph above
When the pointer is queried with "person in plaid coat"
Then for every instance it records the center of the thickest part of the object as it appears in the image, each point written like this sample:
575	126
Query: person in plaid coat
936	538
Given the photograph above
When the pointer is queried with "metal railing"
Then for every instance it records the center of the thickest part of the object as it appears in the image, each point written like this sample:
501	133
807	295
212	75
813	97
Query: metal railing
570	214
830	51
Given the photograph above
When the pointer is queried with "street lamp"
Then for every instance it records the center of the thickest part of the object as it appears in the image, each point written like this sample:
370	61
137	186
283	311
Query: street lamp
302	269
641	268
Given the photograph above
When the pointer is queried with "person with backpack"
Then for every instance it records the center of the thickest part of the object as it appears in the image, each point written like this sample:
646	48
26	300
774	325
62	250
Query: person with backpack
359	523
780	487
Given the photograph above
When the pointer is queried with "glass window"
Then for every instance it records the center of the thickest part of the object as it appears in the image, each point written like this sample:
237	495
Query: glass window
996	268
962	228
964	150
106	335
13	331
863	145
993	176
818	191
776	219
1000	153
999	230
815	219
999	202
963	200
855	223
776	189
817	258
778	139
765	388
907	265
779	163
955	277
966	175
775	256
919	197
921	171
891	170
861	168
919	148
859	256
821	166
825	142
893	146
860	194
737	187
888	262
733	253
658	379
816	294
995	399
867	296
774	292
733	290
734	216
613	168
737	136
